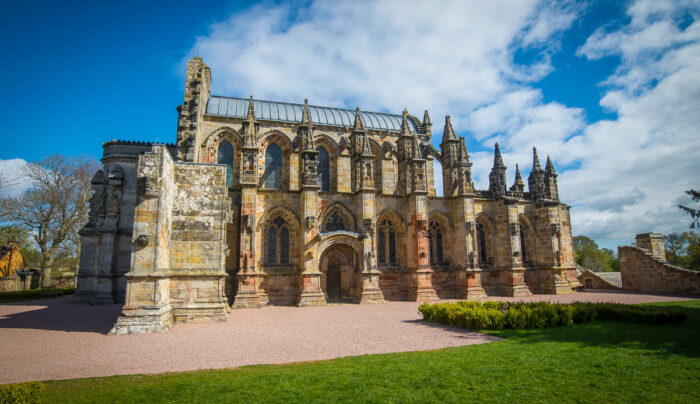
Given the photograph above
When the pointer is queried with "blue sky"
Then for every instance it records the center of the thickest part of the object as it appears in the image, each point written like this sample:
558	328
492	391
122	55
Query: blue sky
608	88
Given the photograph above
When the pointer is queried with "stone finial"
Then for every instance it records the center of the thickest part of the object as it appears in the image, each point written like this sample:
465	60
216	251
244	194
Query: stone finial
518	177
463	154
358	126
535	160
426	119
497	158
405	128
549	168
306	114
251	109
448	133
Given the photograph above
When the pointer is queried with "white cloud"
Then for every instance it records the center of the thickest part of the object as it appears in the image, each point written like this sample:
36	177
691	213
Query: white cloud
621	175
13	183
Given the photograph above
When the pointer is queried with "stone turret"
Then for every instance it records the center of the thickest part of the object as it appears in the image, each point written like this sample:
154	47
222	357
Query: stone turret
519	185
536	179
406	151
308	150
497	177
551	190
450	150
191	112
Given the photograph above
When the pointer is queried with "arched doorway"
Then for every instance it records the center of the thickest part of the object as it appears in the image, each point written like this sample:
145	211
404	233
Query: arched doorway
338	277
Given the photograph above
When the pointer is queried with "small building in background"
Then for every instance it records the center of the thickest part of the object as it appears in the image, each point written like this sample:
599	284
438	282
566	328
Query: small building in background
14	274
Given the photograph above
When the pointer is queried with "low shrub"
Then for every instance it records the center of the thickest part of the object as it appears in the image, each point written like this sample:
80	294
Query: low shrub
492	315
29	294
21	393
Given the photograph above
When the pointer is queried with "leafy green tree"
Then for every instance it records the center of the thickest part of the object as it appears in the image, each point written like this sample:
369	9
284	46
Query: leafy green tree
588	255
694	213
683	249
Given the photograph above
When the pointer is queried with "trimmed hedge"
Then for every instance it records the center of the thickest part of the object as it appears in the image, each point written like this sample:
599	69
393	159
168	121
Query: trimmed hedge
29	294
492	315
22	393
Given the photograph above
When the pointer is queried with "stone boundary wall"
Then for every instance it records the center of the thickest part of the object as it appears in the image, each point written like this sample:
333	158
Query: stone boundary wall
8	283
66	281
641	271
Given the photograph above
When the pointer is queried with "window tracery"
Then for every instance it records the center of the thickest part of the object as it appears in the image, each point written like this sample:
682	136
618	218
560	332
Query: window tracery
386	243
225	153
435	243
278	242
334	222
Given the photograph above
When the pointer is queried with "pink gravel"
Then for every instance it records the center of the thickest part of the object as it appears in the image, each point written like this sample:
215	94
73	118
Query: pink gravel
55	339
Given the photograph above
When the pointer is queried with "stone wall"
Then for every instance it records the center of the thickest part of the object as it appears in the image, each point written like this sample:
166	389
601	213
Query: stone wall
642	271
65	281
179	245
8	283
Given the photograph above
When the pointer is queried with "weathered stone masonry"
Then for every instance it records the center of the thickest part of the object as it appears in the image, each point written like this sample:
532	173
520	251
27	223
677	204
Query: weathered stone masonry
273	203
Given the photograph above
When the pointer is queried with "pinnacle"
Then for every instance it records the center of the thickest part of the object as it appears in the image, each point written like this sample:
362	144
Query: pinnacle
535	161
405	129
550	167
497	159
518	177
306	115
251	108
426	118
448	133
358	126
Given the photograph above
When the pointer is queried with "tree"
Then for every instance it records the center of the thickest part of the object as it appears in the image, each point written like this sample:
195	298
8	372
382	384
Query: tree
676	245
55	206
694	213
590	256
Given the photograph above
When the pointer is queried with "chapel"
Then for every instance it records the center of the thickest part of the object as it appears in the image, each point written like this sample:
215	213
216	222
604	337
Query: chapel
262	202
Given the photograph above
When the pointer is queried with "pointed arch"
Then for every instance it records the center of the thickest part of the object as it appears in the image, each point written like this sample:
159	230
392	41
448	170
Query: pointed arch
391	231
212	145
337	215
268	161
440	238
278	230
328	182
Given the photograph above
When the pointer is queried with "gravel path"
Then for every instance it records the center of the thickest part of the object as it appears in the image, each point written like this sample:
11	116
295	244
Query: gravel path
54	339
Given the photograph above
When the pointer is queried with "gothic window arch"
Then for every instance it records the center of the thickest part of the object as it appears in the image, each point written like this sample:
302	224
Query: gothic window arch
278	242
323	169
224	153
334	221
272	177
435	243
386	243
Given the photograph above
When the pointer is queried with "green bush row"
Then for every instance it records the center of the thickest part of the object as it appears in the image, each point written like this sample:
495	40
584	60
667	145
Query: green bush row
21	393
492	315
32	293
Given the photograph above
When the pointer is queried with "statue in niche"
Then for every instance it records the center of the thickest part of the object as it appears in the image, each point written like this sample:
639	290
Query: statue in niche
113	201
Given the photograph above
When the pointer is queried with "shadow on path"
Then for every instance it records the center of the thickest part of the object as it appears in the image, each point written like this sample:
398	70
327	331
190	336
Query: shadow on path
59	314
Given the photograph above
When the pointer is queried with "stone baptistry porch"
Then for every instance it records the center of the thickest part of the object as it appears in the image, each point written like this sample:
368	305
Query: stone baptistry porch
54	339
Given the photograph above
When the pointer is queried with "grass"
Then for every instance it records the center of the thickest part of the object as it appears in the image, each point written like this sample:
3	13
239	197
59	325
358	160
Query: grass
24	295
594	362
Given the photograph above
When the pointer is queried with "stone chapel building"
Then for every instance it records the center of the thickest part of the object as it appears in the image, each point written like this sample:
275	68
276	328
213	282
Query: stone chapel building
263	202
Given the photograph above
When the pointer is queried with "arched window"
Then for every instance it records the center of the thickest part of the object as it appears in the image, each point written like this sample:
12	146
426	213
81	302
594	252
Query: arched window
225	154
386	243
272	177
523	249
481	239
435	242
278	243
322	168
334	222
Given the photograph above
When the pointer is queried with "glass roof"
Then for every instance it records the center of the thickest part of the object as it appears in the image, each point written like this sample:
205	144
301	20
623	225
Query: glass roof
288	112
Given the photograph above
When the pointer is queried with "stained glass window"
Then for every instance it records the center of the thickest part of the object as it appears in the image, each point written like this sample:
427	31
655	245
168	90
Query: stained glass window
225	154
435	243
272	177
322	168
284	246
272	245
278	242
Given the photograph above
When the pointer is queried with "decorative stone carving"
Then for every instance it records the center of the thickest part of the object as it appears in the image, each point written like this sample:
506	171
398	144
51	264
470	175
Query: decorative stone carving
470	226
310	222
555	228
369	227
143	240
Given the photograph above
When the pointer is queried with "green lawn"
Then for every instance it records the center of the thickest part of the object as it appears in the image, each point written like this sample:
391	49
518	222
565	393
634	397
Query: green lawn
595	362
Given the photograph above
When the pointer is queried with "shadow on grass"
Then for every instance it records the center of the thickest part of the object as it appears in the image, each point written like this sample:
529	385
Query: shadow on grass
668	339
59	314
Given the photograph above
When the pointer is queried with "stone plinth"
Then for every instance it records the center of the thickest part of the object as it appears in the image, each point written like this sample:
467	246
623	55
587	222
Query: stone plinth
369	288
311	294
